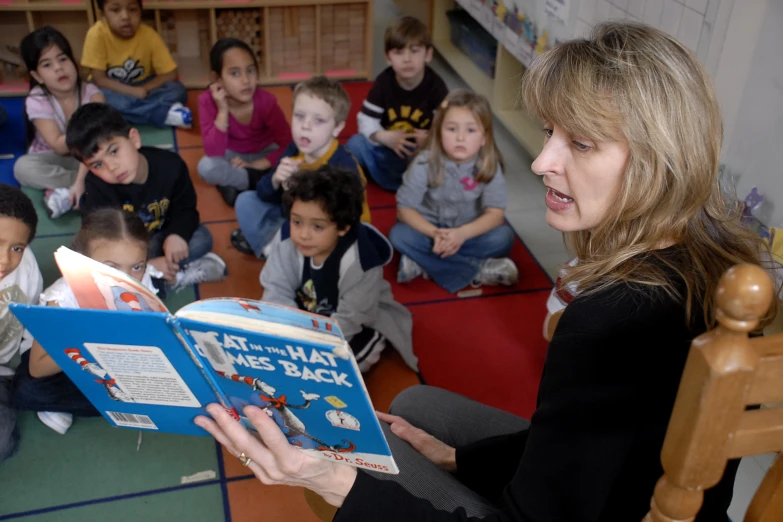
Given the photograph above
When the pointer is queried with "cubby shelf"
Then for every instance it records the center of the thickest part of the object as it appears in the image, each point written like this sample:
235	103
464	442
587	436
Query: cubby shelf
294	39
502	91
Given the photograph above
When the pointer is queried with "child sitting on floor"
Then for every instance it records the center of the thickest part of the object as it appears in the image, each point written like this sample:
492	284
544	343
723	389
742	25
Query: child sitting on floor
115	238
20	282
396	116
329	263
320	108
132	65
56	91
452	200
243	129
150	182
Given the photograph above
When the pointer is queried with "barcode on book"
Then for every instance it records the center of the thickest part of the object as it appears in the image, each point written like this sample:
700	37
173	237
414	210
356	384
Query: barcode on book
215	354
131	420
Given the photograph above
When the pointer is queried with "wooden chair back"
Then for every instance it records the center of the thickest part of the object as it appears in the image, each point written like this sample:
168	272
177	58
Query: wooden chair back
725	372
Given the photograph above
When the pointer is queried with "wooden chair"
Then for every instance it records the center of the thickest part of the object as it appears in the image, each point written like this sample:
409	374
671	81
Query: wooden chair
726	372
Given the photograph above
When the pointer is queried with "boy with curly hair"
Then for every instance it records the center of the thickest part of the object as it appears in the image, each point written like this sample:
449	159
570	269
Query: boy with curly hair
326	261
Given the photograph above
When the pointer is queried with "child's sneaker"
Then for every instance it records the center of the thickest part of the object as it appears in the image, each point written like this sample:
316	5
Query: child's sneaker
409	270
179	116
57	202
59	422
239	241
208	269
494	272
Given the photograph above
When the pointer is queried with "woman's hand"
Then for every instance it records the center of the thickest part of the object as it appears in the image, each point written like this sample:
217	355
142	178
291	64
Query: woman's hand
273	459
435	450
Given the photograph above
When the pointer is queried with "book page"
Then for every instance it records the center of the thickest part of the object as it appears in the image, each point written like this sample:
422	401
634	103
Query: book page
143	373
102	287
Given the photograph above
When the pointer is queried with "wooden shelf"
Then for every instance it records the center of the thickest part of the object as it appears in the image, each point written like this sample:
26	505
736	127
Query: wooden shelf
502	91
525	129
46	6
194	31
468	71
240	4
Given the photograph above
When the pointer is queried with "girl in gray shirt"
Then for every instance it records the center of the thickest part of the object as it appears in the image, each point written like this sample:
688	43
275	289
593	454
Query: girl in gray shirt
452	200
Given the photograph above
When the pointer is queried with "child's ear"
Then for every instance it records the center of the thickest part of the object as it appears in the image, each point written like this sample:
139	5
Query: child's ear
338	129
35	76
135	138
388	60
428	56
344	231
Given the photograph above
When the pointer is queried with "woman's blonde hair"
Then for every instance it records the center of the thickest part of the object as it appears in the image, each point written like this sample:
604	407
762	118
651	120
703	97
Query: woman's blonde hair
629	82
489	157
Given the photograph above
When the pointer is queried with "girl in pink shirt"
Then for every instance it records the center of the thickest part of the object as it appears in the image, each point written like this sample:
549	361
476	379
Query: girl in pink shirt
56	91
243	128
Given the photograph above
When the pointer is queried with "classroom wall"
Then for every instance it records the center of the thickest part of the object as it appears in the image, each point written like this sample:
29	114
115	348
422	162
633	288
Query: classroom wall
739	42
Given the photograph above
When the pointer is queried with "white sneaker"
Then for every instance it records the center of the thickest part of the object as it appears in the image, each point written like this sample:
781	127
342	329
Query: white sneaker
209	269
408	270
59	422
179	116
57	202
494	272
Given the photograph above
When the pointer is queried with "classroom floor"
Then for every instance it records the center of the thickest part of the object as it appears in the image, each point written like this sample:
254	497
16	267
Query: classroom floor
97	472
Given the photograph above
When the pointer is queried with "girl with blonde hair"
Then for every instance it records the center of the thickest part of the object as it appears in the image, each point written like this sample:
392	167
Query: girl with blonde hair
451	205
632	139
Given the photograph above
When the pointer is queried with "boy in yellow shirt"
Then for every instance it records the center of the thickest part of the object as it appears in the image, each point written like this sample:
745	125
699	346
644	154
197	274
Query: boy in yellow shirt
133	67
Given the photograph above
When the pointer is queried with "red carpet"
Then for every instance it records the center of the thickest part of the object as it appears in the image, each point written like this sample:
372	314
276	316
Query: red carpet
489	349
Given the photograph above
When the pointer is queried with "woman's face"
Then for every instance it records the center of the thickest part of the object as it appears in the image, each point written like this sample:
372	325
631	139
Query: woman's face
583	178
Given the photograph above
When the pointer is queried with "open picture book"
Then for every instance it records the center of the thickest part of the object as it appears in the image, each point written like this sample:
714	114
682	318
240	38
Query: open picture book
145	368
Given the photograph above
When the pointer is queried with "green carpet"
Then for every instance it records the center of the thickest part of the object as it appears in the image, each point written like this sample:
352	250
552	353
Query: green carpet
199	504
94	461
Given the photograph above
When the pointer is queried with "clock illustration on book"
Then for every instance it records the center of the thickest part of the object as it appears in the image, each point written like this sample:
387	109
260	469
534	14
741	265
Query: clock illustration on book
340	419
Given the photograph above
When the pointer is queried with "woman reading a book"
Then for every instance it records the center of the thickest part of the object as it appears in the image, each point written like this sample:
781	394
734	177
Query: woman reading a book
632	137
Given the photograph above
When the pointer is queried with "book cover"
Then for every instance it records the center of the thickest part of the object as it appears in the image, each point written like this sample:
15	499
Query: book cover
314	391
157	371
101	287
131	366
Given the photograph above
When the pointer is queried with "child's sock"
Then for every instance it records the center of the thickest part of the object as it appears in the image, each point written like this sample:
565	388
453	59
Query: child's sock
59	422
57	202
179	116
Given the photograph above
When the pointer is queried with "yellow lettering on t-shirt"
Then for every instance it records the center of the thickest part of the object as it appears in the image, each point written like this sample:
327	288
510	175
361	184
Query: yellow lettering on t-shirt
392	114
405	111
417	114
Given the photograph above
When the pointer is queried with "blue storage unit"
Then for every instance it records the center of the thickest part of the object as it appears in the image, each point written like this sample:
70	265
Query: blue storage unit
473	40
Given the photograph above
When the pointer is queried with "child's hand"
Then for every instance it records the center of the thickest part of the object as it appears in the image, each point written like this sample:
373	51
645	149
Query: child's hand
448	241
75	193
284	171
219	95
420	137
139	92
239	162
175	249
168	270
402	143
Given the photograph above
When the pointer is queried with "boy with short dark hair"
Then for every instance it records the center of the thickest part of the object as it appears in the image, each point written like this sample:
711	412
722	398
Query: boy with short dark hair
150	182
329	263
396	116
133	67
20	282
320	108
